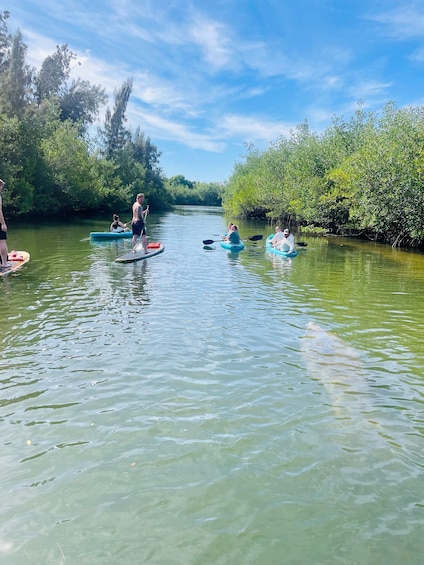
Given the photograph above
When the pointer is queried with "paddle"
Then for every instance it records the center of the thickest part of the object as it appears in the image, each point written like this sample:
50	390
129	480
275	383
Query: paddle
252	238
301	243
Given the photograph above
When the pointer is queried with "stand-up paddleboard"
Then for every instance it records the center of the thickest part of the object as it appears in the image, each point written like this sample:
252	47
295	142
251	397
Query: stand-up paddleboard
16	259
139	254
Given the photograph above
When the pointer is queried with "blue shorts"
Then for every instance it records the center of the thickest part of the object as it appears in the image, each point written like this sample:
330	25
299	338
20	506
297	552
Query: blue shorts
138	228
3	234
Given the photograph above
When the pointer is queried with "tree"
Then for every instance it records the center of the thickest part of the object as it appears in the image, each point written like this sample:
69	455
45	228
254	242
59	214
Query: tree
15	79
74	182
80	103
4	39
53	73
114	134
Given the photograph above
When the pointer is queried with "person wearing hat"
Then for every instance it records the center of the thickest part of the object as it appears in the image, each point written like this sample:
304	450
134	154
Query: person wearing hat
286	244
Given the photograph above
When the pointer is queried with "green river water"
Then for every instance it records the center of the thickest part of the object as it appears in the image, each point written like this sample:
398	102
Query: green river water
207	408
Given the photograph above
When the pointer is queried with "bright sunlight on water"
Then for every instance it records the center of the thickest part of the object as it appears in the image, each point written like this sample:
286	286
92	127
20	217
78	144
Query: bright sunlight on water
203	407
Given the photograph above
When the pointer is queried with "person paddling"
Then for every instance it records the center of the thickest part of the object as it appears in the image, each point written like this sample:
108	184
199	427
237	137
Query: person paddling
117	226
138	223
234	235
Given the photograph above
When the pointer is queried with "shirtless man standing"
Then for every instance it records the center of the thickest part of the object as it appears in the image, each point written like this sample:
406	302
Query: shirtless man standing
138	223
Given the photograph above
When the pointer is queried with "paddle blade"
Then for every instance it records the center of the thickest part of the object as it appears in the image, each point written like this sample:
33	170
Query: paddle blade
301	244
255	237
208	241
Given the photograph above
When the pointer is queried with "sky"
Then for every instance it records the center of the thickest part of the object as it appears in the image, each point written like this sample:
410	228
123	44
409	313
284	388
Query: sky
212	78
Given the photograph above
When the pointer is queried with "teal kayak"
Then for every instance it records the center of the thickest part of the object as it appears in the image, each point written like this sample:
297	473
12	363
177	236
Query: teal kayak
110	234
277	251
234	247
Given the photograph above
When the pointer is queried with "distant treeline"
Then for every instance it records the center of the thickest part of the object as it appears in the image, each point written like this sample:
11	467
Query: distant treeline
364	177
52	163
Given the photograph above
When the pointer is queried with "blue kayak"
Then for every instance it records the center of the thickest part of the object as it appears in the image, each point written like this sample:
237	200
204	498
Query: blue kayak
277	251
234	247
110	234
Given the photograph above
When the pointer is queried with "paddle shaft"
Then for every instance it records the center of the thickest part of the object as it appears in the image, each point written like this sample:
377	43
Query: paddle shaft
251	238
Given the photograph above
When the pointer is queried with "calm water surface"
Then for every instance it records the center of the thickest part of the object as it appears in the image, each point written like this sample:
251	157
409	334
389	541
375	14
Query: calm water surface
204	408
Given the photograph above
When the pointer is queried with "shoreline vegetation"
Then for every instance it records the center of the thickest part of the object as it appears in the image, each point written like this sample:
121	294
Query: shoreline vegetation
363	177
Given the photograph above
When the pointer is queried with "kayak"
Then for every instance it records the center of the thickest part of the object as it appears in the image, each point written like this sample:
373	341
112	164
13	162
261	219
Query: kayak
152	250
110	234
277	251
16	259
234	247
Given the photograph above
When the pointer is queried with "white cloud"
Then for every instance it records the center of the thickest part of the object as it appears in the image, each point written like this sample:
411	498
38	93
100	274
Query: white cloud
254	128
169	130
404	22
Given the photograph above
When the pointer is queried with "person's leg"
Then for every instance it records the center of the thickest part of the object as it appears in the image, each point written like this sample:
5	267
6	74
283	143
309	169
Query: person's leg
144	242
136	234
3	252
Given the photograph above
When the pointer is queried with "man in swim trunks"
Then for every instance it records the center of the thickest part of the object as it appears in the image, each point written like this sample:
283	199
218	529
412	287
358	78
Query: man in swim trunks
3	234
138	223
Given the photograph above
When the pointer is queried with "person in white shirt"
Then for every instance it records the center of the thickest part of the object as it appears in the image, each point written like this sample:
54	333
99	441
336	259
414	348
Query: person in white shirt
277	237
286	244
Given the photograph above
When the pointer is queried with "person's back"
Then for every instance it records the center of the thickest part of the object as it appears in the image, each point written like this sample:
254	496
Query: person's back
234	236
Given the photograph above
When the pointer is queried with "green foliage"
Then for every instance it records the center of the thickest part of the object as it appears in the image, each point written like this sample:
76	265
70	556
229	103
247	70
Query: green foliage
53	73
114	133
81	102
364	176
184	191
74	183
50	164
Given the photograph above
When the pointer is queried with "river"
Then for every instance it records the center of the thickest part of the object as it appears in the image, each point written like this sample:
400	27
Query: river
208	408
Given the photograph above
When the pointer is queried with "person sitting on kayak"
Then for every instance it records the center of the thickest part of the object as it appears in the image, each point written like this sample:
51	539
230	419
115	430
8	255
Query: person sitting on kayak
234	235
230	225
117	226
277	237
286	244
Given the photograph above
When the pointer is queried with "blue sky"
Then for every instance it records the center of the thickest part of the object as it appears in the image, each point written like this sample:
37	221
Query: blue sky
212	76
